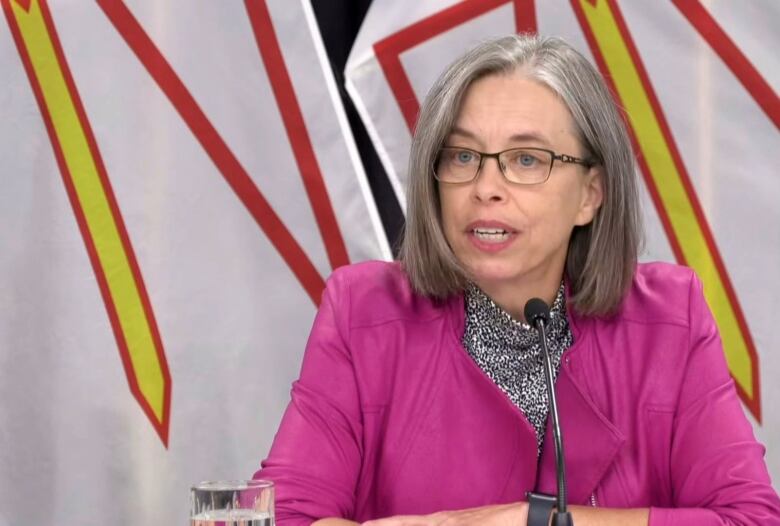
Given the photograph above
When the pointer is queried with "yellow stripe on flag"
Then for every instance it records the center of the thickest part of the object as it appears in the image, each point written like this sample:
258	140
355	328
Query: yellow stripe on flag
670	187
93	201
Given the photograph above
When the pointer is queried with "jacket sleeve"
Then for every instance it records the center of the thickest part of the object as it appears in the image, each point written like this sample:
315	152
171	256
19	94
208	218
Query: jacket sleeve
316	454
718	474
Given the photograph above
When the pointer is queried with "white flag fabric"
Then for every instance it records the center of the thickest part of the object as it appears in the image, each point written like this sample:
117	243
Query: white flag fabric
178	181
698	83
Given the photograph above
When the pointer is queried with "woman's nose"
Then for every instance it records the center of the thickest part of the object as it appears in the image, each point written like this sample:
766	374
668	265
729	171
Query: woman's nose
490	184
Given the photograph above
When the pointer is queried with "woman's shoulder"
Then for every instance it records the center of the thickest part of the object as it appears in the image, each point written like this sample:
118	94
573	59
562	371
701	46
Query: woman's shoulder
377	292
661	293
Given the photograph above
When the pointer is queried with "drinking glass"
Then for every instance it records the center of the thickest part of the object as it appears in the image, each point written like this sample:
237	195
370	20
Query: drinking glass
232	503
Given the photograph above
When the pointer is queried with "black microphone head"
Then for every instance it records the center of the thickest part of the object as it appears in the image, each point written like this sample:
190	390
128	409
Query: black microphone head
536	310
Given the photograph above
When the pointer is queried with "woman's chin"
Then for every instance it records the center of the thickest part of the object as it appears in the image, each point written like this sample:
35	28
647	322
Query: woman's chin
493	277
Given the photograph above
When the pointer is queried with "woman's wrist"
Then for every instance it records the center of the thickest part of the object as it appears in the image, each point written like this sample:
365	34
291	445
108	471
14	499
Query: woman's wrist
522	518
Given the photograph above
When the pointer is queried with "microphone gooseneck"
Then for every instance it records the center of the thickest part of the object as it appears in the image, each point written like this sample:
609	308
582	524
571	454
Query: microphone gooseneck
537	314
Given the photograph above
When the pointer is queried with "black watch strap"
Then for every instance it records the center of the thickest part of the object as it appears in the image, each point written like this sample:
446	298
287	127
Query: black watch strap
540	507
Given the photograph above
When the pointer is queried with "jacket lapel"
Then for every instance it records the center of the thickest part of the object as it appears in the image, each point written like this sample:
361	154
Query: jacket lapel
590	443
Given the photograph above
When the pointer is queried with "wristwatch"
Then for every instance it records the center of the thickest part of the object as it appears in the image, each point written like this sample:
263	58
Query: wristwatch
540	507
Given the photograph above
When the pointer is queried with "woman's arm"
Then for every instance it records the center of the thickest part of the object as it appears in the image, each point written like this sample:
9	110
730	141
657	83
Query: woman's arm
316	455
506	515
589	516
717	469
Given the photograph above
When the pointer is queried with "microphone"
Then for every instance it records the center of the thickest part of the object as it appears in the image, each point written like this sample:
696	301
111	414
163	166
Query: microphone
537	314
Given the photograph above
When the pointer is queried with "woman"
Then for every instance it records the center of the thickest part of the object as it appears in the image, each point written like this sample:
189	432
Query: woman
421	399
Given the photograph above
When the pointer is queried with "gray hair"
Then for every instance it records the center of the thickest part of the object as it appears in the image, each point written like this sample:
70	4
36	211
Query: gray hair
602	255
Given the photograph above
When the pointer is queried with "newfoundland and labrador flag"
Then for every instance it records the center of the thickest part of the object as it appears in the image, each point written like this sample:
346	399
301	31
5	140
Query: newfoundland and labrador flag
178	180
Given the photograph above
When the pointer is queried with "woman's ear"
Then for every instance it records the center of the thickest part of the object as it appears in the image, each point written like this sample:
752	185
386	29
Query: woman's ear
592	195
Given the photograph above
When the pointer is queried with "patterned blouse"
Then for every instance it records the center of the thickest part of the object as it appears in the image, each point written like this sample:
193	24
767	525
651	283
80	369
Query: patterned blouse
509	352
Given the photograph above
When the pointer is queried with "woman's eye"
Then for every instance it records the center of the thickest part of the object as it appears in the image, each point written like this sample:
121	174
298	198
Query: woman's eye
526	160
464	157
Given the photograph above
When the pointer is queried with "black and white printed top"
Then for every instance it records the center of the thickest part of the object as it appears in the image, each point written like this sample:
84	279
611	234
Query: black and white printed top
510	354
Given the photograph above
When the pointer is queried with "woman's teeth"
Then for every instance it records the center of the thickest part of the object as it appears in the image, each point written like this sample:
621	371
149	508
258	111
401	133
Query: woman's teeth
491	234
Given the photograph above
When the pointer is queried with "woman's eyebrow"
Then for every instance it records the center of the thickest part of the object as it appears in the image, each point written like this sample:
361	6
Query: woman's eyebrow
524	137
463	133
529	137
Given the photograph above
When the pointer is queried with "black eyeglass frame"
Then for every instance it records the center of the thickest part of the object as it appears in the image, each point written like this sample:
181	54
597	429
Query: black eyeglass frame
564	158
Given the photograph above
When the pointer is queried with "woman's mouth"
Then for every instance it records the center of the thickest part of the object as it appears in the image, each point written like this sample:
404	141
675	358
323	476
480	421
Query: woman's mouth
490	235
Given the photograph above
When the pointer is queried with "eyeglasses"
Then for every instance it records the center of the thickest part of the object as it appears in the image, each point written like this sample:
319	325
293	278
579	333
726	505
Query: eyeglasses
519	165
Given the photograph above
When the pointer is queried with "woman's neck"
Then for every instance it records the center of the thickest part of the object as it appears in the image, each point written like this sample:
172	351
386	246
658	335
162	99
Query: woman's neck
513	297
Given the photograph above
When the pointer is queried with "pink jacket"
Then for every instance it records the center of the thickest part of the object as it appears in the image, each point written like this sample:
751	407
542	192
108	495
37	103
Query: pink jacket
391	416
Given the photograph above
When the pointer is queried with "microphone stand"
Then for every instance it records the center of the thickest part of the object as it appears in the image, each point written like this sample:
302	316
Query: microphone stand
537	314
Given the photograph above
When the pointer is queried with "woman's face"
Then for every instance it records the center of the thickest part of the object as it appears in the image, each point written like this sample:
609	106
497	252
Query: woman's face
500	112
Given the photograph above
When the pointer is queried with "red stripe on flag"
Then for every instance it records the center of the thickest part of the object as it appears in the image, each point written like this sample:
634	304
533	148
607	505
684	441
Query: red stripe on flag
525	16
215	147
734	59
292	116
388	50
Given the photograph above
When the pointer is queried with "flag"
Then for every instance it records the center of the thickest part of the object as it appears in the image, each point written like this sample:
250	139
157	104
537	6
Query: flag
178	181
